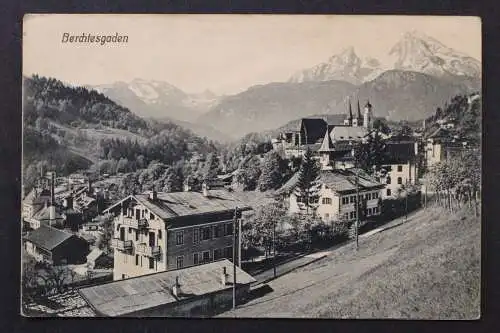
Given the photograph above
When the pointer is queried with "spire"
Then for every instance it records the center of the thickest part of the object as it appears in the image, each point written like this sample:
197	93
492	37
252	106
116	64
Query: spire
359	111
326	144
350	113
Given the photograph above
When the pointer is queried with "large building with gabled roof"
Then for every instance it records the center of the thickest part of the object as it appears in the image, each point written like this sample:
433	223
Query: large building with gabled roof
337	195
158	231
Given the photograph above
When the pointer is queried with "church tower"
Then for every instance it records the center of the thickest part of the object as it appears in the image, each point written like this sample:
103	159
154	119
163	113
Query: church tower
368	116
348	121
358	121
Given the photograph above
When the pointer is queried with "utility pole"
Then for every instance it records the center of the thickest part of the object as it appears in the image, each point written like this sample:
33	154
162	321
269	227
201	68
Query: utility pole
274	248
234	256
357	208
406	204
239	243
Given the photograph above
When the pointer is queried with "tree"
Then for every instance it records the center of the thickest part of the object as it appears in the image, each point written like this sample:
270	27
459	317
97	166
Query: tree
372	154
381	126
271	175
211	167
307	187
258	230
104	241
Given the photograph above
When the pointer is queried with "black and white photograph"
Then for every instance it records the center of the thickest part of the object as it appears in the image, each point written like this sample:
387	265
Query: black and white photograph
251	166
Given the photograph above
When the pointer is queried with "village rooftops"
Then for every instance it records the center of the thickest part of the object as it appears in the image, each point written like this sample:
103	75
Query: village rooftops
169	206
340	181
47	237
127	296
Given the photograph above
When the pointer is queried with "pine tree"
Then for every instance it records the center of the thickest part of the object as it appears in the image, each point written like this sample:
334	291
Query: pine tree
271	176
372	154
307	187
211	167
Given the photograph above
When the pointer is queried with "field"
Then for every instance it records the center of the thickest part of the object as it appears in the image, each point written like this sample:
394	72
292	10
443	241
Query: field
427	268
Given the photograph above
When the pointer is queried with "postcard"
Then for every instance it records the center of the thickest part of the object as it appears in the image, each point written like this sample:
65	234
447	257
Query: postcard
251	166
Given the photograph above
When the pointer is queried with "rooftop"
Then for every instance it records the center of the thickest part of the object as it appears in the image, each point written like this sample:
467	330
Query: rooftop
337	180
47	237
180	204
126	296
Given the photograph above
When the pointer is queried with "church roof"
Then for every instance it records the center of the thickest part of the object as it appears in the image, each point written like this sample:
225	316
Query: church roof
314	129
347	133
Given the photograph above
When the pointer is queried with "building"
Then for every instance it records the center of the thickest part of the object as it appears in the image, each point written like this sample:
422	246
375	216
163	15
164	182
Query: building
441	145
401	167
156	232
55	246
196	291
321	137
35	201
337	195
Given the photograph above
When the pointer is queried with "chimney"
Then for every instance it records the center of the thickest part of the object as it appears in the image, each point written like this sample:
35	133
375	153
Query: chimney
204	189
90	186
52	180
224	276
175	288
153	195
68	202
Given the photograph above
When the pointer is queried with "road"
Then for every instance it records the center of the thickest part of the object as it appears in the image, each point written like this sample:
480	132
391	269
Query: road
301	261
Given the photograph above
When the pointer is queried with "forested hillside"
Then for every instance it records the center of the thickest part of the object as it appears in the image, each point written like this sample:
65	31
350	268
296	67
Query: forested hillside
464	112
70	128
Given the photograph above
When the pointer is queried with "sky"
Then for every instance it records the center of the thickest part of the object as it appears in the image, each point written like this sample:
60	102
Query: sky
223	53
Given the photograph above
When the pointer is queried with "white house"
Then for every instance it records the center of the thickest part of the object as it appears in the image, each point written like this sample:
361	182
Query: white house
337	195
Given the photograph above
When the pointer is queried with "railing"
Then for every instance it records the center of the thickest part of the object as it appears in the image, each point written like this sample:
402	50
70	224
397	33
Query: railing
149	251
121	245
134	223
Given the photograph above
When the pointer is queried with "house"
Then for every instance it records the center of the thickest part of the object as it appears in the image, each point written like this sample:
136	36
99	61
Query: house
196	291
35	201
154	232
98	259
337	195
441	145
401	167
55	246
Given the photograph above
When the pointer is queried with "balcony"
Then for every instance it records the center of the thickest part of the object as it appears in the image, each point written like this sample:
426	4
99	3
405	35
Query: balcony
149	251
121	245
134	223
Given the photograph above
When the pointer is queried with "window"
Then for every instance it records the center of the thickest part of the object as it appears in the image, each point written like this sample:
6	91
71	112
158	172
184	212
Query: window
352	198
159	234
345	200
124	276
206	256
375	210
196	235
375	195
196	259
400	180
388	180
400	168
352	215
229	229
369	212
388	192
137	260
151	216
137	235
368	196
228	252
217	254
151	263
129	230
326	201
346	216
179	237
217	231
206	233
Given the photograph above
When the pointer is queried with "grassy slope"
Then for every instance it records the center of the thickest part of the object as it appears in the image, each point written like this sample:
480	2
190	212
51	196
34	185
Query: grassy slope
426	269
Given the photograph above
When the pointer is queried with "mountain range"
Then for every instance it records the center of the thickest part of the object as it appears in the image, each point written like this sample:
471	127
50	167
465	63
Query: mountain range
418	75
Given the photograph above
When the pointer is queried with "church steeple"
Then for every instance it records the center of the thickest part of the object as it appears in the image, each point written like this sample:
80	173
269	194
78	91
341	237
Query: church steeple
359	114
348	120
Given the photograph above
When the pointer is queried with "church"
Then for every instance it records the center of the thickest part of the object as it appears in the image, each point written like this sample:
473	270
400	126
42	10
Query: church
331	143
